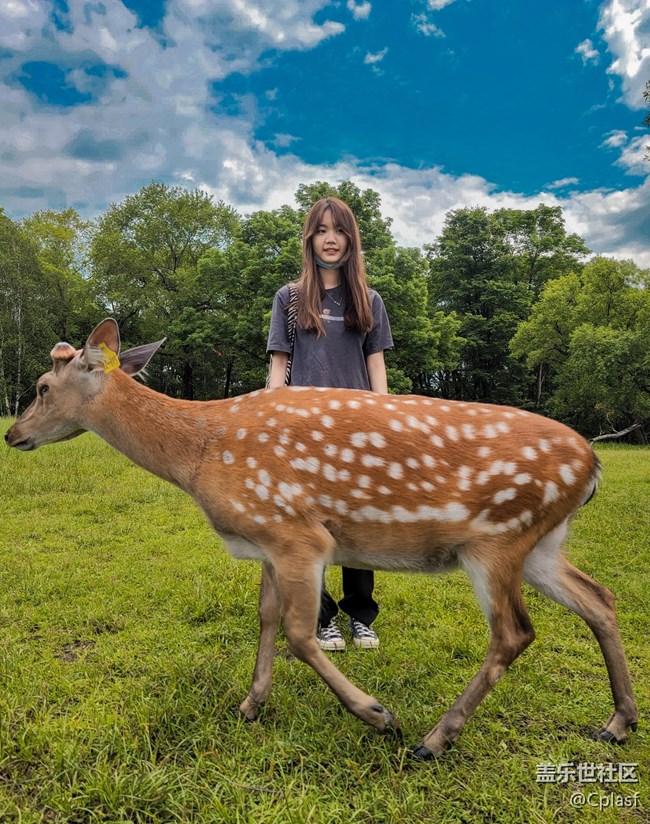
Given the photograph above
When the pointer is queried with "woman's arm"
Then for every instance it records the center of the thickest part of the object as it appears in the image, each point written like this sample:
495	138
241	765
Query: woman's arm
376	373
278	369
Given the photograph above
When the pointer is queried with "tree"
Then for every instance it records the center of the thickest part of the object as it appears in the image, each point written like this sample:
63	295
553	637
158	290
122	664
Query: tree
61	241
589	334
145	254
24	318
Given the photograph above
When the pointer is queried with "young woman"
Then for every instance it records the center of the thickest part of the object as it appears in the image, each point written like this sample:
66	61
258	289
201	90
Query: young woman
341	334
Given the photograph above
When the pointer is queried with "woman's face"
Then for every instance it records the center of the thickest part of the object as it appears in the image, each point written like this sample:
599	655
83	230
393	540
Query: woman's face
330	242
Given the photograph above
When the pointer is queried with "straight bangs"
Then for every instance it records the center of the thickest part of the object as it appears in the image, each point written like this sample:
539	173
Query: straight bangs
356	300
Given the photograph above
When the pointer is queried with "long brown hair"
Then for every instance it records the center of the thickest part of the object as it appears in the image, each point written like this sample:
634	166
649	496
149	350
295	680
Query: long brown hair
356	300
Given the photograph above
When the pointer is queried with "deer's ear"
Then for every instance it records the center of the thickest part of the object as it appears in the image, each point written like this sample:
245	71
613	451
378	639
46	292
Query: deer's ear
133	361
102	342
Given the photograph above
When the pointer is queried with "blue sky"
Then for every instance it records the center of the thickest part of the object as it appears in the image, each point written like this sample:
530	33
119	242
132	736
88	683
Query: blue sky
436	104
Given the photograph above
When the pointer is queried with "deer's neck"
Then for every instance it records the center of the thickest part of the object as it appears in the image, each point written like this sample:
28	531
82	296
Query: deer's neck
167	437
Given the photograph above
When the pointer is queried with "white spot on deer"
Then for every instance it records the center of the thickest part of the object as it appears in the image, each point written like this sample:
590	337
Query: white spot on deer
270	422
455	512
263	437
344	475
341	507
412	463
238	507
482	478
300	447
410	403
364	481
358	439
372	460
259	519
472	412
544	445
317	436
416	423
551	492
437	441
262	492
396	471
299	388
264	477
508	414
566	473
284	439
504	495
431	420
412	487
464	475
331	450
502	426
308	464
468	431
490	431
334	404
303	413
452	433
279	451
484	451
383	490
289	491
228	457
370	401
360	494
249	483
330	472
326	501
347	455
327	421
428	487
376	439
522	478
354	405
371	513
445	408
529	453
241	433
428	461
396	425
280	407
278	518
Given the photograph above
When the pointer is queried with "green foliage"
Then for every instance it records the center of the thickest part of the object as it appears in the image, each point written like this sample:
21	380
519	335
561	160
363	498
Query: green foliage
589	335
129	638
490	313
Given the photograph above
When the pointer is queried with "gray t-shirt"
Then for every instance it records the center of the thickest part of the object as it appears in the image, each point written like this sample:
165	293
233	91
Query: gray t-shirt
338	357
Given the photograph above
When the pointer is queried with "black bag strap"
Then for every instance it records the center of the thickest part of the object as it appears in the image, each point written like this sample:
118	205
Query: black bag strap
292	322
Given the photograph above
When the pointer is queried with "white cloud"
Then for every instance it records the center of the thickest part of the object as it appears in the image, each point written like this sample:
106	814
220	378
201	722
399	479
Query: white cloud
426	26
587	51
634	156
626	28
372	59
360	11
615	139
155	118
563	183
436	5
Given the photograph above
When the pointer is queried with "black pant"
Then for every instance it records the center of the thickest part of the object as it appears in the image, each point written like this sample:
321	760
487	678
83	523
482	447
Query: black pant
357	600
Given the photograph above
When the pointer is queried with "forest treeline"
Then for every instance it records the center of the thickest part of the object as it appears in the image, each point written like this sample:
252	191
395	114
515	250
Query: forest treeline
504	306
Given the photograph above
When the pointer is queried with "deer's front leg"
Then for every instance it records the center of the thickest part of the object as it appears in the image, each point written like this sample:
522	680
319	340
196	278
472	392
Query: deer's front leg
299	583
269	615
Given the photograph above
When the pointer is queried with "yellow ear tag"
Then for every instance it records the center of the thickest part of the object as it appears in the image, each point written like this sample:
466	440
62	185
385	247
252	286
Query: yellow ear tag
111	360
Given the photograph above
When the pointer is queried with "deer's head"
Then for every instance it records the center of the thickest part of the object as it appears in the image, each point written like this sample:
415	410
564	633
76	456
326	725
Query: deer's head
77	379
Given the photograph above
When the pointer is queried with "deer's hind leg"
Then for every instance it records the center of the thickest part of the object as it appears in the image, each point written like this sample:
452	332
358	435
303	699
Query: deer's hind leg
269	616
550	573
498	591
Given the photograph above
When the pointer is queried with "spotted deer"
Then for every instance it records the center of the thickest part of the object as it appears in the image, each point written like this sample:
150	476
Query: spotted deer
299	478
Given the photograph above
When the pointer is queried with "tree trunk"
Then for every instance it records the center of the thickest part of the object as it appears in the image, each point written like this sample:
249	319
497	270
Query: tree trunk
226	390
187	388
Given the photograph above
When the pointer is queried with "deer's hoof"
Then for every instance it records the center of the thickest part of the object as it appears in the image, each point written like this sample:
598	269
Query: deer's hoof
609	737
422	753
392	728
249	709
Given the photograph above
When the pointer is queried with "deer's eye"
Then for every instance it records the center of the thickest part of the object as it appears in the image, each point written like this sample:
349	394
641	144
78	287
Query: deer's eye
42	389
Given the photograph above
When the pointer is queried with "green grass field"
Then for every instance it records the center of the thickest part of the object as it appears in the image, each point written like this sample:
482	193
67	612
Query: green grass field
128	640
